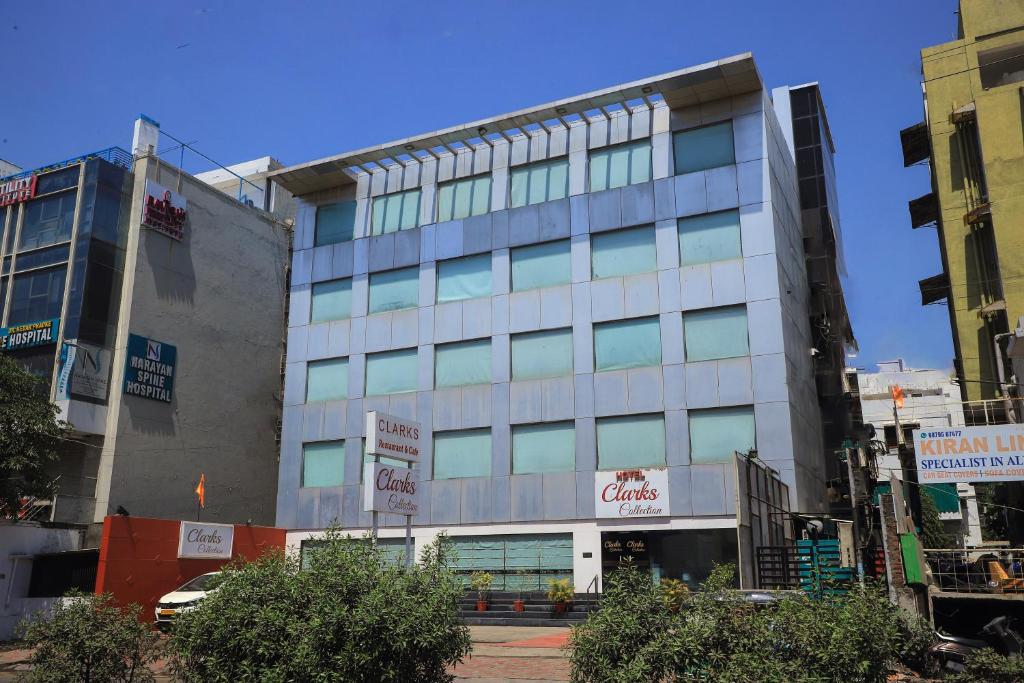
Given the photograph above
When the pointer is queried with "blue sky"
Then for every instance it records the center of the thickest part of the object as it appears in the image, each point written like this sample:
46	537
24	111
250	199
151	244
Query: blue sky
303	80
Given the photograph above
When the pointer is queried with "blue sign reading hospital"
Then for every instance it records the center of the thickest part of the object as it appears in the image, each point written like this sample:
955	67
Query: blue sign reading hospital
26	335
149	368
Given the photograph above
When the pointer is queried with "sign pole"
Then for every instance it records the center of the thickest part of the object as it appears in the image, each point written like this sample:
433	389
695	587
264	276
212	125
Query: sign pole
408	541
375	523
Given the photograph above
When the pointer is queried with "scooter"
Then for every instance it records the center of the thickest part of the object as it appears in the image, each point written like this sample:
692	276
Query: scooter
952	652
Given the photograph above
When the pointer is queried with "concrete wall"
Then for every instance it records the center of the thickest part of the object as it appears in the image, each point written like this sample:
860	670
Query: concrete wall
219	297
18	543
775	378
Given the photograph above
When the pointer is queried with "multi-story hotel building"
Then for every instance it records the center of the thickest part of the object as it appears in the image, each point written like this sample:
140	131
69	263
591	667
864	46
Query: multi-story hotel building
612	282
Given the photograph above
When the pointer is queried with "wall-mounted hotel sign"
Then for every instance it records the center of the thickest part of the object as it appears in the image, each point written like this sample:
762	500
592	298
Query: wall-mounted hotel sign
625	494
17	190
387	488
165	211
27	335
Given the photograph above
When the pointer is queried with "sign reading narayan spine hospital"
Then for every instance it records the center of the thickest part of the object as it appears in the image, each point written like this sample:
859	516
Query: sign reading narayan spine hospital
149	368
625	494
198	541
387	488
393	437
28	335
970	454
164	211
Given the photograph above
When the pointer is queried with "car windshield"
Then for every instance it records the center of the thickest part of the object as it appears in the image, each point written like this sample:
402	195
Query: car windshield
205	582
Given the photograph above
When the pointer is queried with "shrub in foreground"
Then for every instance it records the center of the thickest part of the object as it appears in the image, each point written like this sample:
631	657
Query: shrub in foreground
717	635
988	666
349	615
88	638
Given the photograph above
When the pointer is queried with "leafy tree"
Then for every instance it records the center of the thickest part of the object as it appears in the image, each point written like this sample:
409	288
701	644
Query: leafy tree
933	533
988	666
88	638
29	435
349	615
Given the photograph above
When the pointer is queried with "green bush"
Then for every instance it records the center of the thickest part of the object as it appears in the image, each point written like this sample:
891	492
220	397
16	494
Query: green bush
719	636
988	666
88	638
351	615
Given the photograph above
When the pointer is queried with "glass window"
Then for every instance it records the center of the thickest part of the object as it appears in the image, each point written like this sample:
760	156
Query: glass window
623	252
331	300
620	166
549	447
58	180
323	463
463	198
391	372
462	454
703	148
464	278
716	333
48	220
9	235
540	182
37	296
630	441
1001	66
716	434
394	290
627	344
393	212
541	265
709	237
335	223
327	380
547	353
462	363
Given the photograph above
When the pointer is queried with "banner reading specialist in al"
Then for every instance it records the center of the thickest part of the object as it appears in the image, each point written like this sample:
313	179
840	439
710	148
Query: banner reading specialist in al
970	454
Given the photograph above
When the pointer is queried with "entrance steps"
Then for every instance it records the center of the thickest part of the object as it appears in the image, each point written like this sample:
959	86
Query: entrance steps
537	609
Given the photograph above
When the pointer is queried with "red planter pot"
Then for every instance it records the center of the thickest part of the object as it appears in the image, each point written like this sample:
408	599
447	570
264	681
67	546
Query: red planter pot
481	605
518	605
560	607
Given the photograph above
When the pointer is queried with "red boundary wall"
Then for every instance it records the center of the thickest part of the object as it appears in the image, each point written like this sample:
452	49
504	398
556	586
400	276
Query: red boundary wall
139	558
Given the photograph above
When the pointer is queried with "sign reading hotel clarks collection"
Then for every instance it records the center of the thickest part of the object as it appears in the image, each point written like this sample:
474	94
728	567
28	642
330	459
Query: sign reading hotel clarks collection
970	454
626	494
201	541
149	368
387	488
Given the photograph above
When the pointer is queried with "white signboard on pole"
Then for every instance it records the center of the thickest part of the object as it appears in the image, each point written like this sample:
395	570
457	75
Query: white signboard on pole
203	541
387	488
388	436
970	454
627	494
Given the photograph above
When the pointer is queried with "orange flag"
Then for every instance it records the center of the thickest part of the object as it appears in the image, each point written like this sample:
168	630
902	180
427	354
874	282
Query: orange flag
897	395
201	490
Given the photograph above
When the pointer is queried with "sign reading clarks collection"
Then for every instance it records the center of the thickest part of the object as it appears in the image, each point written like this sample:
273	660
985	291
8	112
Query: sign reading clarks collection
387	488
625	494
149	368
199	541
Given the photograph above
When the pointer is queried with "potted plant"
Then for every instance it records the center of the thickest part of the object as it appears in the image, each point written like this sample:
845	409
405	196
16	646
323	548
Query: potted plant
518	604
674	592
481	583
561	592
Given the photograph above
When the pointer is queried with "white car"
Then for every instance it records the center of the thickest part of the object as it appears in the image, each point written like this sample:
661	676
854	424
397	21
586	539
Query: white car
185	598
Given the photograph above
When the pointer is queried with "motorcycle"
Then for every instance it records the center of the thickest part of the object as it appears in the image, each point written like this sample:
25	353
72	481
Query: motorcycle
952	652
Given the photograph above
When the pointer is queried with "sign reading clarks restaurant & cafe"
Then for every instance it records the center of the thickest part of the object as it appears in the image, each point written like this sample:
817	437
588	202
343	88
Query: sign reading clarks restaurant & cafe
149	368
390	488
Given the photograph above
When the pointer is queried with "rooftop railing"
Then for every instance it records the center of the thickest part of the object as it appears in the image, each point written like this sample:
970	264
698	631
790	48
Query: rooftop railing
113	155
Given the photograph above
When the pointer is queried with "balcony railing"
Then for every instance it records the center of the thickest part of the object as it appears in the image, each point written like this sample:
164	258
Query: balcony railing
993	571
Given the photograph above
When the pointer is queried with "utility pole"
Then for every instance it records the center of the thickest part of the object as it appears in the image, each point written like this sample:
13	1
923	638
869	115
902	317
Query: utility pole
855	510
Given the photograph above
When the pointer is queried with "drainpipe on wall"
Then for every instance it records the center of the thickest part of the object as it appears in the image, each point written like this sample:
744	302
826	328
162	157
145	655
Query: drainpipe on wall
1001	371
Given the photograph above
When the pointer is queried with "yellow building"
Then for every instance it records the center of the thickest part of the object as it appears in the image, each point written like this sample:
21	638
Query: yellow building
974	137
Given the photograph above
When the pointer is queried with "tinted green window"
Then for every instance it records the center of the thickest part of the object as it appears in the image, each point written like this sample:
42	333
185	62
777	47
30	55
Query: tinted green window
549	447
716	333
394	290
48	220
630	441
627	344
703	148
391	372
335	223
541	182
716	434
464	278
394	212
623	252
542	354
709	237
331	301
541	265
620	166
323	463
327	380
463	198
462	363
462	454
